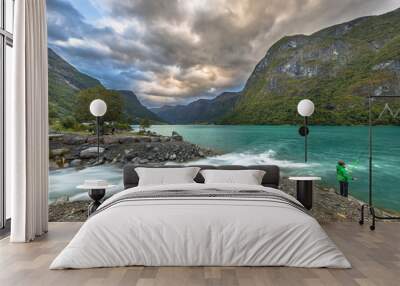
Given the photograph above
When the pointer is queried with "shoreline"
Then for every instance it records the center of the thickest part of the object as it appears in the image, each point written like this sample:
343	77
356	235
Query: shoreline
80	151
328	206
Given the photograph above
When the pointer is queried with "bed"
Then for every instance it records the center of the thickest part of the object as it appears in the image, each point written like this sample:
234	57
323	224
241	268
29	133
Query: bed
197	224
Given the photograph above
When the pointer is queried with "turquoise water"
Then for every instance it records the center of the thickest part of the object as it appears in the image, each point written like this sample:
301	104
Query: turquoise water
63	182
283	146
279	145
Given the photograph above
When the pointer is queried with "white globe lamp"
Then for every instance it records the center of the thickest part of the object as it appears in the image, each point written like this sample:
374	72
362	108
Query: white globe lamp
98	108
305	108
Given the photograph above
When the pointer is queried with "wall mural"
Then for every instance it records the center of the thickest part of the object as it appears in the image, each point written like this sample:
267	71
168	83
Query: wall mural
196	83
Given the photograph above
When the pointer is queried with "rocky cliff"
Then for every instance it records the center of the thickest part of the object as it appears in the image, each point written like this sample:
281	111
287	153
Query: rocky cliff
336	67
65	81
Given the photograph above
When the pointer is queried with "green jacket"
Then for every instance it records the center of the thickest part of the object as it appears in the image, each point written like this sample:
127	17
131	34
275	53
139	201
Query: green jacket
341	174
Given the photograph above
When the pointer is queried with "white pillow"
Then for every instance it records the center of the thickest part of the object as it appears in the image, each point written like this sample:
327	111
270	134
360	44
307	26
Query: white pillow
247	177
166	176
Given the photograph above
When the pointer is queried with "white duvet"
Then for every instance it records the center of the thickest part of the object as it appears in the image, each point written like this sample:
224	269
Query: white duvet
194	231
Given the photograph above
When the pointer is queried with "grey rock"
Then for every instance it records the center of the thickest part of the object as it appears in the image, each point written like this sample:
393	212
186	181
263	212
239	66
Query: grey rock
93	139
90	152
145	139
131	155
135	160
97	163
111	140
74	139
76	163
128	139
176	136
172	157
127	151
292	44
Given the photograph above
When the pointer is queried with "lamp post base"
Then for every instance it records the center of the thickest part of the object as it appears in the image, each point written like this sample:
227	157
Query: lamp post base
305	193
96	195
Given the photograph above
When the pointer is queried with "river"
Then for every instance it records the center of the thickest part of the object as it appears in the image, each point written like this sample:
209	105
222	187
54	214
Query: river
281	145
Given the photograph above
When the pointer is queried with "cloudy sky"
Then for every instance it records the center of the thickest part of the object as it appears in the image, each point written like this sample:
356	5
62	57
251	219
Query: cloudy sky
176	51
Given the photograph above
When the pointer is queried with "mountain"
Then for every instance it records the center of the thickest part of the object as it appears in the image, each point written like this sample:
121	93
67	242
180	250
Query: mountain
135	109
336	68
65	81
199	111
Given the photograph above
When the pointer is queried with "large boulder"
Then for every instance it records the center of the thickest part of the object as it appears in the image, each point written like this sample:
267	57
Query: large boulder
70	139
176	136
93	139
110	139
75	163
128	139
145	139
130	154
165	139
90	153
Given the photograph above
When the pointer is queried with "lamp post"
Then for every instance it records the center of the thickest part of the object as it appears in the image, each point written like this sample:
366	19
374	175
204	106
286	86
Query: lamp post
98	108
305	108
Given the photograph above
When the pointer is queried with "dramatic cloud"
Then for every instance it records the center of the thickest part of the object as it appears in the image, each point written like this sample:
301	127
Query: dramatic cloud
174	51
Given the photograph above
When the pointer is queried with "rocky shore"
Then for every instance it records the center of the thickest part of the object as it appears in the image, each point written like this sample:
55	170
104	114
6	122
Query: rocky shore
80	151
74	150
327	207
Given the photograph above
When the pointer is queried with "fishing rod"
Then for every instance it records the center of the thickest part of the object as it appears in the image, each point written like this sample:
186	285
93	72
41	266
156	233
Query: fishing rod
370	169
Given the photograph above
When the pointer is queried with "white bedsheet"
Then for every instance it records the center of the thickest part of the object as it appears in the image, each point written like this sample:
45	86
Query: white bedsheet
212	231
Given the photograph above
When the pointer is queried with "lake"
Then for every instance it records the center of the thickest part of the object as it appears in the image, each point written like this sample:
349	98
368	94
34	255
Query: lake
283	146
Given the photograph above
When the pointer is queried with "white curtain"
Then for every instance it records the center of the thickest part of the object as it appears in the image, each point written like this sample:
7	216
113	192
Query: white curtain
27	124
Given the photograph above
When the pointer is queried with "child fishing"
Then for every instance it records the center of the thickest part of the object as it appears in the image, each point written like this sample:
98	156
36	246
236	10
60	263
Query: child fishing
343	177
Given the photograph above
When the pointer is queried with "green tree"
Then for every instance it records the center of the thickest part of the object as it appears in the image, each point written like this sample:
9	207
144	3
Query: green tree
144	123
114	101
69	122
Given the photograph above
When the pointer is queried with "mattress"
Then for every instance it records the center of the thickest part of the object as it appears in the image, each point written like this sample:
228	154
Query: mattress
201	225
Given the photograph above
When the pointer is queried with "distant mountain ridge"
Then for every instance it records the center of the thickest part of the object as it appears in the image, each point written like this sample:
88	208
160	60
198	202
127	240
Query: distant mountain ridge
199	111
336	67
135	109
65	81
